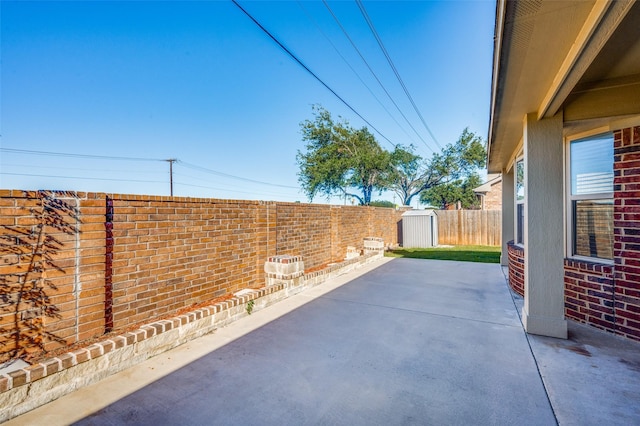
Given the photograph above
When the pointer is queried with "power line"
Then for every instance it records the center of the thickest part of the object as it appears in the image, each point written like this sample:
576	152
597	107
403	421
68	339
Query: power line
373	73
81	178
231	190
171	162
295	58
217	173
68	154
351	67
393	67
81	169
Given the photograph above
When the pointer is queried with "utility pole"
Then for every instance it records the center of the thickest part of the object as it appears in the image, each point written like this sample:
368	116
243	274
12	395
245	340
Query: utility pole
171	161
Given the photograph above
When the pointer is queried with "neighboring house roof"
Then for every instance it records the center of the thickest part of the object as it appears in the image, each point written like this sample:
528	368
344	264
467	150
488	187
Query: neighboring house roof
492	179
582	58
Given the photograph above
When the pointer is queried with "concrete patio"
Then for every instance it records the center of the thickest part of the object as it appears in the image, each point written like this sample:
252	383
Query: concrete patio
399	341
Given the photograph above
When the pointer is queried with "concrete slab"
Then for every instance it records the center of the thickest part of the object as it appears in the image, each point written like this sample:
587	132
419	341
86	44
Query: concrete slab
411	342
592	378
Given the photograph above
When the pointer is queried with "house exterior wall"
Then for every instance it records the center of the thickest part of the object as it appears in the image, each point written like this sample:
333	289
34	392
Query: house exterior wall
588	294
493	198
131	259
626	225
606	296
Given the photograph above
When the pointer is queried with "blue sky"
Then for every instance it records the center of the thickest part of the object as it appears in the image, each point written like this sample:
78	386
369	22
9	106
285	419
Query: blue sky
200	82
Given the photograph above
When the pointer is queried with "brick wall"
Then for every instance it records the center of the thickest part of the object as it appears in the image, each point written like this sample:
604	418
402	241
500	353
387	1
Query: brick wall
493	198
51	269
353	223
516	267
136	258
626	223
588	293
607	296
303	232
171	253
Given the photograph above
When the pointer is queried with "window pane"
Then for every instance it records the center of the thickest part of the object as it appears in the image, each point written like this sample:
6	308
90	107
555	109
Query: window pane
520	180
593	221
592	165
520	218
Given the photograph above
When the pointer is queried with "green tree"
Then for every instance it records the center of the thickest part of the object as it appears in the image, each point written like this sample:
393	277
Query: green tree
411	175
449	193
382	203
340	160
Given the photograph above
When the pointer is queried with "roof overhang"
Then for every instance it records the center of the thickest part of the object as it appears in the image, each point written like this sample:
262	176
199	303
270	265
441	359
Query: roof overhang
581	58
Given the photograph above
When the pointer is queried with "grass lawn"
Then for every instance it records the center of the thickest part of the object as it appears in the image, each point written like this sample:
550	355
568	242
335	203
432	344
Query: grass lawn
485	254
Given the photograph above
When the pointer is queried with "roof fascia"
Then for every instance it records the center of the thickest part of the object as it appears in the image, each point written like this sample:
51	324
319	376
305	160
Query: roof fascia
589	41
501	6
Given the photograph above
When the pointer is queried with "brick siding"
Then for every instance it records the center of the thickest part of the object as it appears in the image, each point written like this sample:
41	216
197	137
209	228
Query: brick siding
154	256
626	223
588	293
493	198
603	295
516	267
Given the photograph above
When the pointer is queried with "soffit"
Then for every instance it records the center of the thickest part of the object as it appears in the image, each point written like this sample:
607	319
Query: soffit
535	39
610	86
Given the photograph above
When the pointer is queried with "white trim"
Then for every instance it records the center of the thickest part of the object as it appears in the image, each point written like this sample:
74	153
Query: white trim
586	133
598	260
569	198
517	202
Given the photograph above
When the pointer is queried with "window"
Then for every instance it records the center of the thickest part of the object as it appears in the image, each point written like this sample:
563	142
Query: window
520	202
591	196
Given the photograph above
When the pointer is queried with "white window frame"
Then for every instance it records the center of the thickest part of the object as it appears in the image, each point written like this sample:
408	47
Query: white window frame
517	202
570	198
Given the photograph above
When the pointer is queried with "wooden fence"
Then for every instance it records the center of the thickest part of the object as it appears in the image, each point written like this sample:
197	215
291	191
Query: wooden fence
469	227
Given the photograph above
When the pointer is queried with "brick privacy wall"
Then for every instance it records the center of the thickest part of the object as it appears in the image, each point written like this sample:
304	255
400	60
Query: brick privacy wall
626	223
353	223
75	272
169	253
304	232
385	223
516	267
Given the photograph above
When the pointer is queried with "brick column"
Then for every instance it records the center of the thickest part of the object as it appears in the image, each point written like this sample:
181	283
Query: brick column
284	269
373	245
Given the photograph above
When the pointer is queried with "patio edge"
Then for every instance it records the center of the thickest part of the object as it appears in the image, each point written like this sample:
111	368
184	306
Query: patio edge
28	388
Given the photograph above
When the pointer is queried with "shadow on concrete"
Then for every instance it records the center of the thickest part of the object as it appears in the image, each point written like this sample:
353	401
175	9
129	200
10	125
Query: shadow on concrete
412	342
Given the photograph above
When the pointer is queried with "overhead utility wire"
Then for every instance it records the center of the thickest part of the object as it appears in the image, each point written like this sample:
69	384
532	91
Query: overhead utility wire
204	169
182	175
82	169
351	68
232	190
393	67
373	73
81	178
187	165
295	58
67	154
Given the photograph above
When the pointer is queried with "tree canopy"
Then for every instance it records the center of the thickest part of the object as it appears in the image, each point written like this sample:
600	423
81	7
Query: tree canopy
411	175
341	160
